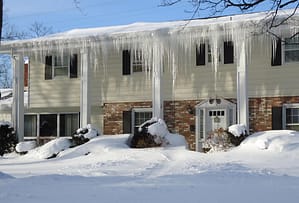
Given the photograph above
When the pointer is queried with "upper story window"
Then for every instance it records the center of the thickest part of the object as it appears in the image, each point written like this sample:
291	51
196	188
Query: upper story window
225	53
291	50
61	66
133	62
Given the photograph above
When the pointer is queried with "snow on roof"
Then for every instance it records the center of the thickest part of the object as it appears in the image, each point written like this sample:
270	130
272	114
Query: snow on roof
141	27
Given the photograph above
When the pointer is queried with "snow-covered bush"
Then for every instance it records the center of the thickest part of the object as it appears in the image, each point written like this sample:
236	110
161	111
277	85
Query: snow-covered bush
51	149
151	133
221	139
24	147
8	138
83	135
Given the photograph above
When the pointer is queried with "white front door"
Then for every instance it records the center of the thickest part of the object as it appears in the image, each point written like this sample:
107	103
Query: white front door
212	115
216	119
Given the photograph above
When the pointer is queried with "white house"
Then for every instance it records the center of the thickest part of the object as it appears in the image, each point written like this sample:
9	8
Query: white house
197	75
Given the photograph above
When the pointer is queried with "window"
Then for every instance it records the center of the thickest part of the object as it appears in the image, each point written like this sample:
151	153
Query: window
133	62
291	116
30	125
141	117
50	125
69	123
291	49
133	119
225	53
61	66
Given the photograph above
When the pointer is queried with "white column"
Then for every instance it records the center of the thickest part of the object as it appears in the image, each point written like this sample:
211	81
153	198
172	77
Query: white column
242	93
85	100
18	96
157	96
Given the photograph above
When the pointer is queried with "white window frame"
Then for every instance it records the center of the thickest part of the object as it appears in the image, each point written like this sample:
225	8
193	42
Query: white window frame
58	123
284	114
284	49
61	57
136	110
137	59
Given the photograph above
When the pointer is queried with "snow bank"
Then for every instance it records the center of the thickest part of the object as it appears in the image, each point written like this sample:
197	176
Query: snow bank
25	146
273	140
237	130
4	175
51	149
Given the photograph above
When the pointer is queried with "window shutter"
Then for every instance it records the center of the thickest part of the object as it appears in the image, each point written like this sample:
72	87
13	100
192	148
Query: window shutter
201	55
48	68
126	62
127	121
74	66
228	52
276	53
276	118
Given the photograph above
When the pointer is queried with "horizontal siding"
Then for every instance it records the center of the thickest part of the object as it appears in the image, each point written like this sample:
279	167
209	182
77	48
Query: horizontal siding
52	93
191	82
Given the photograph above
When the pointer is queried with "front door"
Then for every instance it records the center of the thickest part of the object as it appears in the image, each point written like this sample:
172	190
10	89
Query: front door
211	115
216	119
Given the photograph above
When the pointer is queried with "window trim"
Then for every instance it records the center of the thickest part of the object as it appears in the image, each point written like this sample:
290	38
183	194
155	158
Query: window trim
283	47
72	66
207	59
58	124
284	116
138	110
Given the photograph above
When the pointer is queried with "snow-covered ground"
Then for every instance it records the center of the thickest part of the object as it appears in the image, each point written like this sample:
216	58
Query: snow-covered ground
264	168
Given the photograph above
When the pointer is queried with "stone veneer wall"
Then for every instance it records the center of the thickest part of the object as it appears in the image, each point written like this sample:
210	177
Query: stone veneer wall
113	115
260	111
180	115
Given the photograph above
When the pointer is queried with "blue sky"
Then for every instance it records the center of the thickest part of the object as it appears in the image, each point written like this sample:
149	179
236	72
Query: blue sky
63	15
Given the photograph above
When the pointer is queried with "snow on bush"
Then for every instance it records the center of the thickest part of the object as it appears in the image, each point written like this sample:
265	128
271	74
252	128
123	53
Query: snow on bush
52	148
23	147
237	130
154	133
83	135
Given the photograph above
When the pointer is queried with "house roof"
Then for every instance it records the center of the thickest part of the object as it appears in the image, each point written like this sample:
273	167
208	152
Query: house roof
135	29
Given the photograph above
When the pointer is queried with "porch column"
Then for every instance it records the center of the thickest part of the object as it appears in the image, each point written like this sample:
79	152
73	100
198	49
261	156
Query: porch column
157	96
18	95
242	92
85	100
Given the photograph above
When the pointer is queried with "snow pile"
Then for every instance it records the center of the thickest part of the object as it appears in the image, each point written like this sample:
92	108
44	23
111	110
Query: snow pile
158	129
23	147
4	176
237	130
89	132
273	140
51	149
5	123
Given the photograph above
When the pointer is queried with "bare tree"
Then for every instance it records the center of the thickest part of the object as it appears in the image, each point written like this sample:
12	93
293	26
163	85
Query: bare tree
218	7
38	29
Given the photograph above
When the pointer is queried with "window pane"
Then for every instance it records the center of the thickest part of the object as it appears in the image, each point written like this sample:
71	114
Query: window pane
69	123
61	64
30	125
141	117
48	125
292	56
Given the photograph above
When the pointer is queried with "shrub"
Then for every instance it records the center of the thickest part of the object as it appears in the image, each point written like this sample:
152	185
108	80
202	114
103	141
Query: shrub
222	140
83	135
8	139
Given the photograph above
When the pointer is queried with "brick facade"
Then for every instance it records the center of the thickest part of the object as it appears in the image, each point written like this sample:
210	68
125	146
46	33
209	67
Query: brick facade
180	116
260	111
